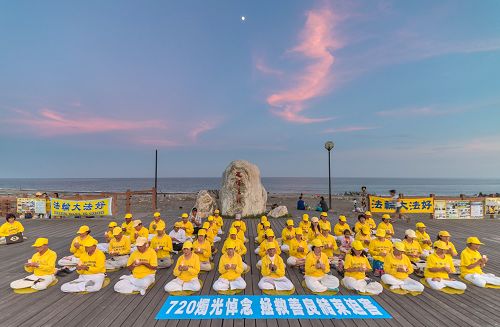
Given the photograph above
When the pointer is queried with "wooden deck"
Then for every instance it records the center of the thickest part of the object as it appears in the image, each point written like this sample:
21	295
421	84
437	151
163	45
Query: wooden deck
477	307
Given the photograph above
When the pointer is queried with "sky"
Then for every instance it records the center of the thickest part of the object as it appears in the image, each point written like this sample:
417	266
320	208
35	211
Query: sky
403	88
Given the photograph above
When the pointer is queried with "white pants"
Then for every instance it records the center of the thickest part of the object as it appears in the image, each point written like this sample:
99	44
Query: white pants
257	250
482	279
129	284
259	264
84	283
245	266
116	262
220	232
285	248
292	261
178	285
322	284
104	247
150	236
361	285
42	282
68	261
426	253
164	262
217	239
223	284
446	283
407	284
205	266
279	284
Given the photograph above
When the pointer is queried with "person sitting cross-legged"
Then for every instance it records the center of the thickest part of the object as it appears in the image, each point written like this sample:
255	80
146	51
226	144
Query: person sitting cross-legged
162	244
317	268
273	271
230	269
439	265
186	271
398	267
119	250
203	249
355	268
298	250
472	264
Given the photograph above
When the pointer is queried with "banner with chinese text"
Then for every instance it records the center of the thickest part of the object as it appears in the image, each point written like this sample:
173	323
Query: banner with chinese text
94	207
408	205
271	307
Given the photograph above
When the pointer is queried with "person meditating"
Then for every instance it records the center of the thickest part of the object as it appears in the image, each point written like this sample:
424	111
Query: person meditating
230	269
317	267
472	264
76	247
186	271
11	227
273	271
439	266
355	268
156	224
298	250
162	244
287	234
119	250
398	268
203	249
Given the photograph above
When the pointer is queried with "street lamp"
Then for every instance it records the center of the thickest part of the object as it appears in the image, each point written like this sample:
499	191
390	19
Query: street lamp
329	146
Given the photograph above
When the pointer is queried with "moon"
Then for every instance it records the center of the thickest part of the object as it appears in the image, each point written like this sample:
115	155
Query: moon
243	18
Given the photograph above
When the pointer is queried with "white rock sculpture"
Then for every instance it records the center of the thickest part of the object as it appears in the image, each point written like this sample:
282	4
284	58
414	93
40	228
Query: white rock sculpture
206	203
277	212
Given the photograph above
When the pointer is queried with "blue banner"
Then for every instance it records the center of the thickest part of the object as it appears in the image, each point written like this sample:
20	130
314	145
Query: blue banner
271	307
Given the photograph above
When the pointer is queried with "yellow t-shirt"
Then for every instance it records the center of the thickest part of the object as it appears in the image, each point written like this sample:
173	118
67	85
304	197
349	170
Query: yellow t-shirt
148	256
434	261
330	241
205	247
339	229
188	228
378	247
154	225
294	249
143	232
262	247
325	224
193	265
313	233
363	238
278	262
96	263
352	261
109	234
358	226
287	233
243	226
389	229
218	221
128	228
421	237
121	247
162	246
371	223
46	262
468	257
392	264
239	248
8	229
81	249
230	274
305	225
452	247
312	260
412	248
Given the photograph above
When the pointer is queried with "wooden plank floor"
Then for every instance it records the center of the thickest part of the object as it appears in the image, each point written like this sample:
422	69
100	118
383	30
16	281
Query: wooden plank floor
477	307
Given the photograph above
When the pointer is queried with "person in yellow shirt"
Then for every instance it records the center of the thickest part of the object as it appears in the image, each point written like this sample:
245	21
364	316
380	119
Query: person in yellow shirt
239	247
305	224
298	250
317	268
340	227
108	235
423	239
439	265
412	247
186	271
41	266
273	271
355	268
323	222
287	234
386	225
138	231
219	222
360	223
213	226
379	248
329	242
472	264
451	251
315	229
364	236
128	225
398	268
203	249
230	269
187	225
155	224
11	226
243	225
239	232
91	268
270	238
143	264
162	244
260	228
262	233
76	247
370	221
119	250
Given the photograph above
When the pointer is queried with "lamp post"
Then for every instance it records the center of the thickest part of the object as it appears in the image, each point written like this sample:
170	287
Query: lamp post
329	146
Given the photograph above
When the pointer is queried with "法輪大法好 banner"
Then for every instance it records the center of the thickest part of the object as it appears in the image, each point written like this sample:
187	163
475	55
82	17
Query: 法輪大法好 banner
94	207
408	205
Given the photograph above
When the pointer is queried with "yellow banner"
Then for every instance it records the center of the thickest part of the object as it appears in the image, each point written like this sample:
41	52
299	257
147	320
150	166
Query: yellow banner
408	205
95	207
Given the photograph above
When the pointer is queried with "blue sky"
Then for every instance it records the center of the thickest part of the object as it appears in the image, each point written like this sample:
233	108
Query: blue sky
404	88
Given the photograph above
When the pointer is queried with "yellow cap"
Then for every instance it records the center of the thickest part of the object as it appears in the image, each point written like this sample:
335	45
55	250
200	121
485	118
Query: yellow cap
266	224
112	224
179	224
210	218
358	246
116	231
184	215
269	232
206	225
187	245
410	233
366	230
444	233
314	219
316	242
473	240
342	218
160	228
420	225
230	244
324	214
141	241
289	222
399	246
263	218
216	211
128	216
40	241
299	231
89	241
156	214
270	245
305	217
386	216
136	222
83	229
233	231
368	213
237	224
202	232
327	227
441	245
380	233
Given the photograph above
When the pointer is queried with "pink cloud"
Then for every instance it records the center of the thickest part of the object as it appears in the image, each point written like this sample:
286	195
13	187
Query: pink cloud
349	129
262	67
317	40
201	128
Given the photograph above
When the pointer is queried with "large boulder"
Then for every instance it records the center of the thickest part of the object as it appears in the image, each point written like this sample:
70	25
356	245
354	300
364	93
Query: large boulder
242	191
206	203
277	212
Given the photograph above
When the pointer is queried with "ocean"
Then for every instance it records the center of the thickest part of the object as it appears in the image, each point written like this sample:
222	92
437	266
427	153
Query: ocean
288	185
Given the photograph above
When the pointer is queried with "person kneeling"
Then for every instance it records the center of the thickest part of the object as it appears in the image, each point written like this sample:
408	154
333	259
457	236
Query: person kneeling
439	265
119	250
273	271
317	268
186	270
355	268
91	267
42	265
230	269
143	263
472	263
398	267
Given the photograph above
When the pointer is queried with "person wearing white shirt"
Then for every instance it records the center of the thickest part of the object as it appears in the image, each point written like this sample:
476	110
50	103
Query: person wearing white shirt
178	236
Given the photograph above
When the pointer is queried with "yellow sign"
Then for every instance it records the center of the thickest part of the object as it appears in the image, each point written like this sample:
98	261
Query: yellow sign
94	207
408	205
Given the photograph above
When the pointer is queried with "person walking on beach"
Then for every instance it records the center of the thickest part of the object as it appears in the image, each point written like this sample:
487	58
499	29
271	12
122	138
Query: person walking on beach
397	205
